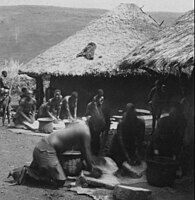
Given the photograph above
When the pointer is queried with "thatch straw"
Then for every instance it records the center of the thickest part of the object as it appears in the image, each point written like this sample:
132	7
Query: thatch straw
14	81
173	47
115	34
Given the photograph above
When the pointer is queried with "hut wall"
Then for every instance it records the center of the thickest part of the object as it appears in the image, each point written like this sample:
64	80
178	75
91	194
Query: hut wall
39	91
117	90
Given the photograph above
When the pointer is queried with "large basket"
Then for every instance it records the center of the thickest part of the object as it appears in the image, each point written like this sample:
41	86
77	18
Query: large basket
71	163
161	171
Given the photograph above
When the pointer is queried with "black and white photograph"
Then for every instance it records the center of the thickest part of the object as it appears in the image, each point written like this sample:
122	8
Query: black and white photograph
97	99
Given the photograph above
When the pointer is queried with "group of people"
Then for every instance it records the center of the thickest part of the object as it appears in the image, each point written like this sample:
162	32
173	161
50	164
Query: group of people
127	144
59	108
83	135
168	130
167	135
56	108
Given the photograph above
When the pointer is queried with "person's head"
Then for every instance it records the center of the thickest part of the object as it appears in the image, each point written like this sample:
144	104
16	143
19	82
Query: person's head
130	107
4	73
57	94
100	92
130	111
29	93
74	95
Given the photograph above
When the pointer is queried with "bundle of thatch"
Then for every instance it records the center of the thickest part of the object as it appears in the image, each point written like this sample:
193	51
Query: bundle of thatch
171	48
115	34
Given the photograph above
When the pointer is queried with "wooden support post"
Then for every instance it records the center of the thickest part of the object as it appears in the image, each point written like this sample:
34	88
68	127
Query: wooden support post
46	84
39	91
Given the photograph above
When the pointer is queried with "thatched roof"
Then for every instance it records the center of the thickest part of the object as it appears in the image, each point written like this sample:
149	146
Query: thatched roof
115	34
173	47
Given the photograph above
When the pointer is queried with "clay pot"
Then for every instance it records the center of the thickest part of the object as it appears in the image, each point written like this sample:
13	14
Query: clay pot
45	125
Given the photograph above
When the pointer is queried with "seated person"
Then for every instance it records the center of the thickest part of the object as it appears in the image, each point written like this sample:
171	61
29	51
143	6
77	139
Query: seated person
69	106
26	111
46	165
168	137
44	111
55	104
128	140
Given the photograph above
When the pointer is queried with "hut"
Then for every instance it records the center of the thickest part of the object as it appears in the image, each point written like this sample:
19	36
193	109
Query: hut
114	34
169	53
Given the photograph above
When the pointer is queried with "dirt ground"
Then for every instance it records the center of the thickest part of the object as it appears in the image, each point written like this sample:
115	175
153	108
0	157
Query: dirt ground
16	150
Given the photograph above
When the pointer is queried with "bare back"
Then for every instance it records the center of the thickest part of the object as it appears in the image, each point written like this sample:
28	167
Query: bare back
63	140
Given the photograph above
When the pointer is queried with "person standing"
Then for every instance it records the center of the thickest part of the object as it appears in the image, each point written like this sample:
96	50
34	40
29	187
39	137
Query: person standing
6	107
155	100
3	80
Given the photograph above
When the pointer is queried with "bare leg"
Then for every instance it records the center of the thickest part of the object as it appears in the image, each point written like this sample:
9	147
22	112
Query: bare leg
158	114
153	122
4	116
8	116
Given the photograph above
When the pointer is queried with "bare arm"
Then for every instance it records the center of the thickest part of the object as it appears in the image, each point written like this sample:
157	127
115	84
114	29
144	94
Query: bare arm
101	100
67	108
49	113
86	151
34	108
51	107
88	110
59	110
75	109
156	137
21	112
53	111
